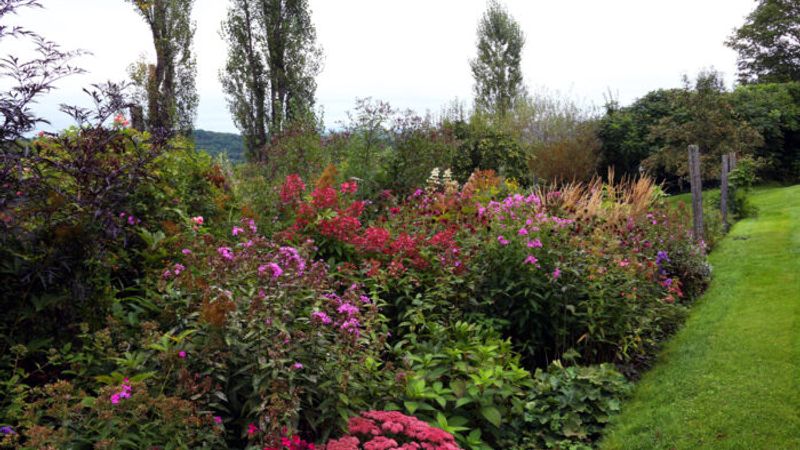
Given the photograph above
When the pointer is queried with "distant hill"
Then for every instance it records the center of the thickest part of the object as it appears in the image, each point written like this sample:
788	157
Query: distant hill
215	143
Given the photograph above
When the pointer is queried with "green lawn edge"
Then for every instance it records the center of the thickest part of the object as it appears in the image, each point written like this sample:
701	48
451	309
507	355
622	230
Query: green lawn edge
730	378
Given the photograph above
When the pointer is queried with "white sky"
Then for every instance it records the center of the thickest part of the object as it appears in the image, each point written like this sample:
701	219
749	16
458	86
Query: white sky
415	53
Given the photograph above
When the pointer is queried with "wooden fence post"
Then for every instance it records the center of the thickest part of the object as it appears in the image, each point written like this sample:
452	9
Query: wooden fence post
697	191
723	190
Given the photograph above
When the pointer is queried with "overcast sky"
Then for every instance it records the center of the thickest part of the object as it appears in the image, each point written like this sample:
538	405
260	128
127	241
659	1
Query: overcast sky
415	53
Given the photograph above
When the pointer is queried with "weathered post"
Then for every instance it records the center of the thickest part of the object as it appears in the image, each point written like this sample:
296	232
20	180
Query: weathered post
697	191
723	190
732	162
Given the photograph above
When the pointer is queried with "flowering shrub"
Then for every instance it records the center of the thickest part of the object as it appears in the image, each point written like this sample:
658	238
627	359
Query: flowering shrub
385	430
288	346
126	416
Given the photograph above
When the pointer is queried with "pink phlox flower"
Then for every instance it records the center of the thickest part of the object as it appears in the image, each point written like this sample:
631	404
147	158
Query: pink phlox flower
530	259
536	243
322	317
347	308
226	253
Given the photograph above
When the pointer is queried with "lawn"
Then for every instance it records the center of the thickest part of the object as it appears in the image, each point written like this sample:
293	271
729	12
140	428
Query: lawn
730	379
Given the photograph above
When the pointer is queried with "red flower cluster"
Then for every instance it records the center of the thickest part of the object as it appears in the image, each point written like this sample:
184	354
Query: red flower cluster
292	189
391	430
293	443
324	198
349	187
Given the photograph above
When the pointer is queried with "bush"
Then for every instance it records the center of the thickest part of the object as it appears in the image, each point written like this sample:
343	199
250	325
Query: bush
286	345
122	416
569	406
465	379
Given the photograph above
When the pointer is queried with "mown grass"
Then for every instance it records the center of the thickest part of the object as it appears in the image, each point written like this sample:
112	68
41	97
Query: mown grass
730	379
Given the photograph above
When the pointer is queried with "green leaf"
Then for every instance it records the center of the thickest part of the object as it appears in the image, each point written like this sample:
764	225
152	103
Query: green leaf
492	414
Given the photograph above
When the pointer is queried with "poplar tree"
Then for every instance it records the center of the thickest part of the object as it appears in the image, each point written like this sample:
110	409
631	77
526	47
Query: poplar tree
496	69
169	84
273	59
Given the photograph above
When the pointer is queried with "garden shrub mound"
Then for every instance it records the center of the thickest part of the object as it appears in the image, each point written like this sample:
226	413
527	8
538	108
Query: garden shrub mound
480	315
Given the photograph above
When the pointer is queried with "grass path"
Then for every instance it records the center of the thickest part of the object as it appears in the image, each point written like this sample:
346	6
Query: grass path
730	379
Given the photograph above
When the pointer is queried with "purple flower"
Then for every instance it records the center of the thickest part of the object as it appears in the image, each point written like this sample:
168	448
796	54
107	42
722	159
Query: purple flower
7	430
274	270
236	230
502	240
531	260
297	366
182	354
347	308
522	232
536	243
226	253
217	420
179	268
322	317
186	252
114	399
556	273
